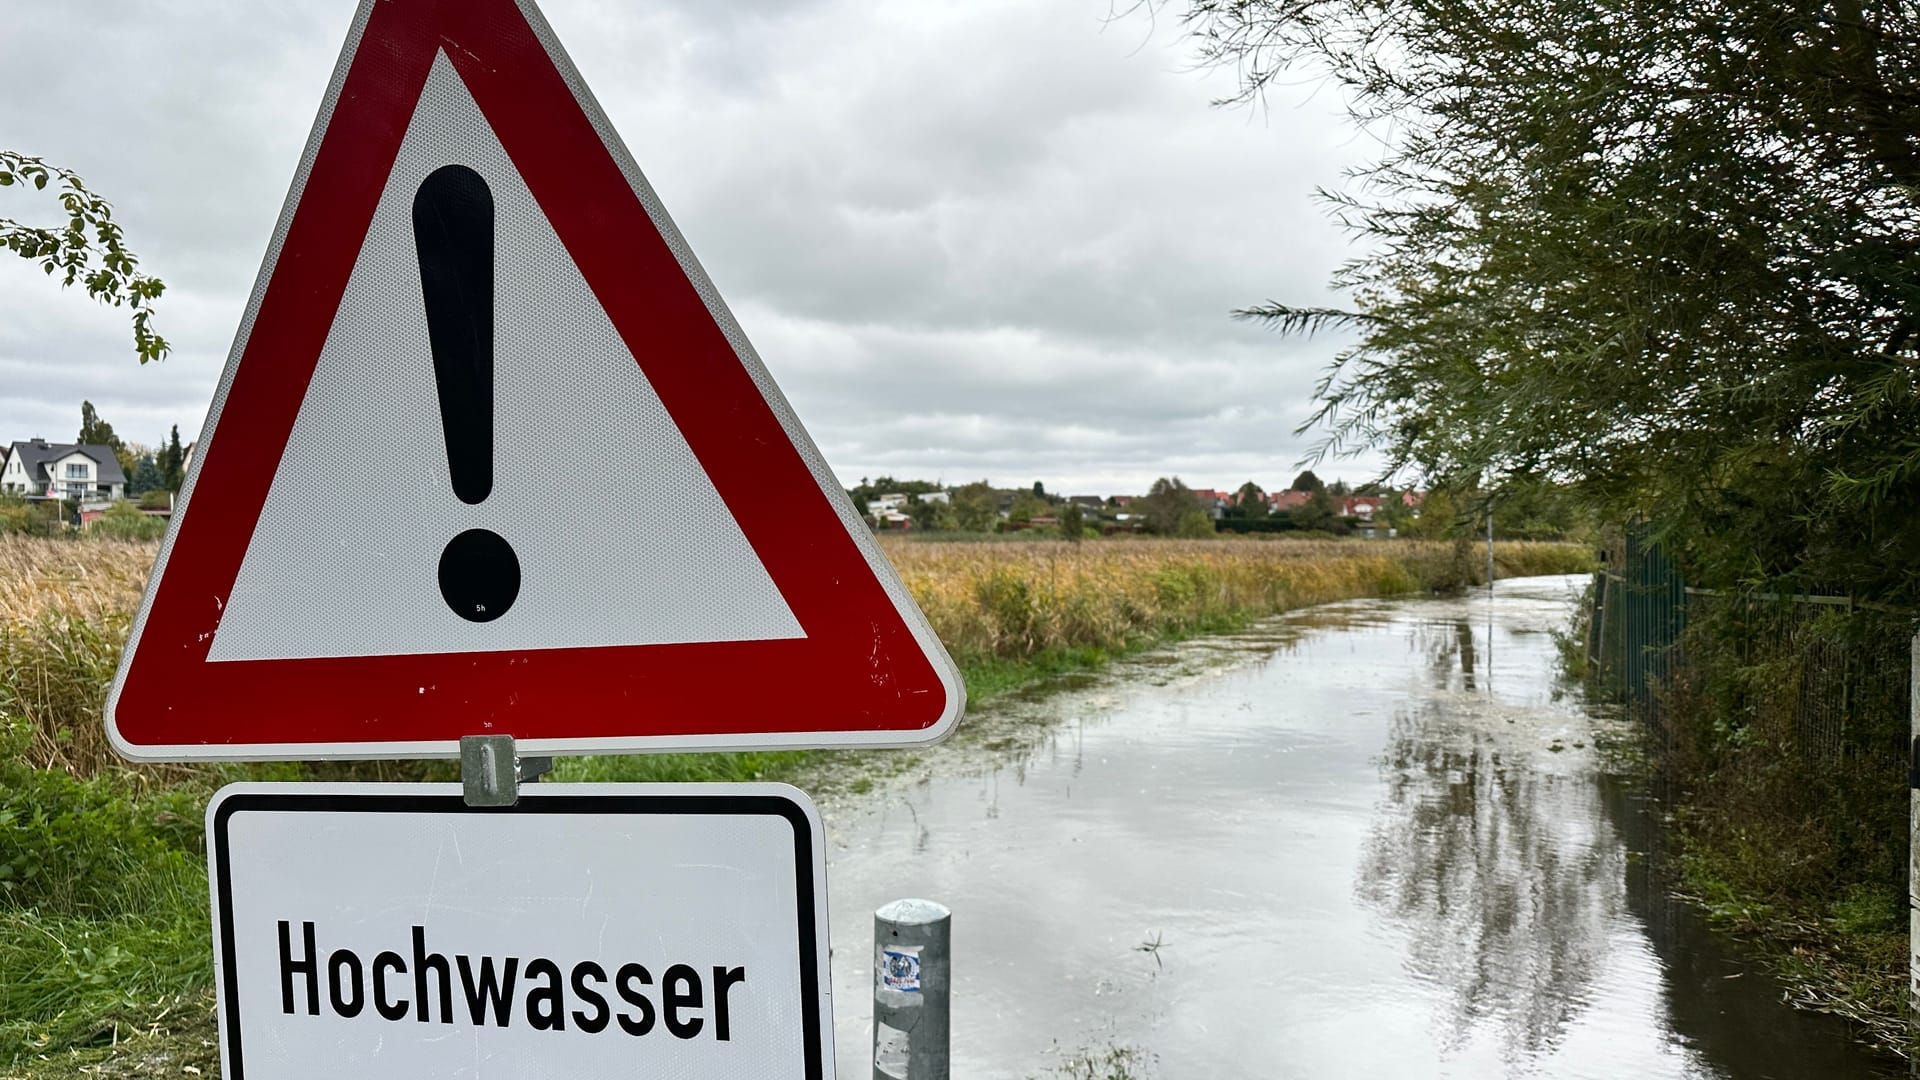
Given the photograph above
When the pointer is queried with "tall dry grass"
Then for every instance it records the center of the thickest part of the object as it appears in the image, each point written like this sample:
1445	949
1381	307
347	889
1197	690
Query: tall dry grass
1018	599
88	579
65	605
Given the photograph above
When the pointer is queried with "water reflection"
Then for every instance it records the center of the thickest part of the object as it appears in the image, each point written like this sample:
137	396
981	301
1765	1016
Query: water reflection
1715	1001
1353	849
1453	653
1505	880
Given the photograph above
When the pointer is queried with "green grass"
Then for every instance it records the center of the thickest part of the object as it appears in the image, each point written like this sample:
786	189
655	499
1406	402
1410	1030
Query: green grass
989	677
105	900
682	768
1845	955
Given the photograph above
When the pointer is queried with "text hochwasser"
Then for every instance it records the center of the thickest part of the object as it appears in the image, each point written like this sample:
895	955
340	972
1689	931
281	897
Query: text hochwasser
422	985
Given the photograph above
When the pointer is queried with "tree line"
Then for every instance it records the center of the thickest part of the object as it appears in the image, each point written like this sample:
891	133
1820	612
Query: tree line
1666	254
148	470
1172	508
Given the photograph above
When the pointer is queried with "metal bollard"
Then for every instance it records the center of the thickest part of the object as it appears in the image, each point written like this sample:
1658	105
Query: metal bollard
912	990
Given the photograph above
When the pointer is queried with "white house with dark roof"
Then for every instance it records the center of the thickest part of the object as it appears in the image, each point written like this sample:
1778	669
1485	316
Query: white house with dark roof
38	468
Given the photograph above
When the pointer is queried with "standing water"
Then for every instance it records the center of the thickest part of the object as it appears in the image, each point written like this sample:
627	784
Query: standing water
1368	839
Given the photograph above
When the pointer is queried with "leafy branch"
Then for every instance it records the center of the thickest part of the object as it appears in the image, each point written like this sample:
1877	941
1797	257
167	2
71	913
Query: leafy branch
87	250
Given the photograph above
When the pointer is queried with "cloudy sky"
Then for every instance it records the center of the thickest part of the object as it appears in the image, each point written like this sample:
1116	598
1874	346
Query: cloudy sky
977	238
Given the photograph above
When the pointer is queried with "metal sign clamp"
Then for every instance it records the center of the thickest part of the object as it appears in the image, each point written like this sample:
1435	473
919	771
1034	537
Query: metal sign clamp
491	772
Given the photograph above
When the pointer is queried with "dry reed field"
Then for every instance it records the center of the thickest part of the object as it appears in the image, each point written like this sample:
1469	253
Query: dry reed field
91	580
1020	598
65	605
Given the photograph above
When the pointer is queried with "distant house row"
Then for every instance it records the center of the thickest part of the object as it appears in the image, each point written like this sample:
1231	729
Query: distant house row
1361	507
81	472
891	510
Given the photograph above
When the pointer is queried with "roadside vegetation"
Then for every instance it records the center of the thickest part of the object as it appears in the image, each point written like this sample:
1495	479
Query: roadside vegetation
1662	257
1768	744
103	894
1790	823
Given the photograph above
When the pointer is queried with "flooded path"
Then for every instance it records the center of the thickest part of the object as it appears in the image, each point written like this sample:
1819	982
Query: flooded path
1369	839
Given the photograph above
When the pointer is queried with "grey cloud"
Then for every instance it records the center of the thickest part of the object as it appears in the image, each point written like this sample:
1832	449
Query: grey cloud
984	238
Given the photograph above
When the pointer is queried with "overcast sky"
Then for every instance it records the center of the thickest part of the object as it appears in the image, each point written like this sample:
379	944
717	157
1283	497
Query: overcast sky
980	238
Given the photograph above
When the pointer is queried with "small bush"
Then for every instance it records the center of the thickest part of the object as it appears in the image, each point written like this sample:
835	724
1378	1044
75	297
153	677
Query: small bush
1193	525
95	846
124	521
23	518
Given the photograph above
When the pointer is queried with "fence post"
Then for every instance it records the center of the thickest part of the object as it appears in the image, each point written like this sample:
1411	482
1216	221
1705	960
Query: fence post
1489	547
912	987
1913	844
1609	600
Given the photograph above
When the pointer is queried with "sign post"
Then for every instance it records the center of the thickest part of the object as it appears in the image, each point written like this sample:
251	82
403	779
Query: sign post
392	931
619	539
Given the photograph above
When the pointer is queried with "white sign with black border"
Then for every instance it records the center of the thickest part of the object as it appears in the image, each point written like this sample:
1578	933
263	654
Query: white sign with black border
593	930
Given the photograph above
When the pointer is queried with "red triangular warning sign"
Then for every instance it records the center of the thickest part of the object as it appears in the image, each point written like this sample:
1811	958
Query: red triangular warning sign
490	456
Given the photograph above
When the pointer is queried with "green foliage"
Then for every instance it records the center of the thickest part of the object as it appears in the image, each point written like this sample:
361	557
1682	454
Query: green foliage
1787	721
975	507
1027	506
1306	481
1441	515
145	479
930	515
93	846
1073	524
36	518
102	896
95	431
1317	513
870	490
88	249
1570	642
1528	508
1789	711
1166	504
1193	525
124	521
1666	256
173	462
1249	503
1273	523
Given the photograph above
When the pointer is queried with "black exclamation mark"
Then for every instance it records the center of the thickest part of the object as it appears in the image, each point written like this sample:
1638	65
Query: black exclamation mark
453	233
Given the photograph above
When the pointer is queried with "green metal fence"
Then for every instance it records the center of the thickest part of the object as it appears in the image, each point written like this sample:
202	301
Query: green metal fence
1639	614
1842	664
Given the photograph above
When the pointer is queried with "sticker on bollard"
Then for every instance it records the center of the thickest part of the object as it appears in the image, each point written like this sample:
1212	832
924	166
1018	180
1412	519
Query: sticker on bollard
900	968
392	931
